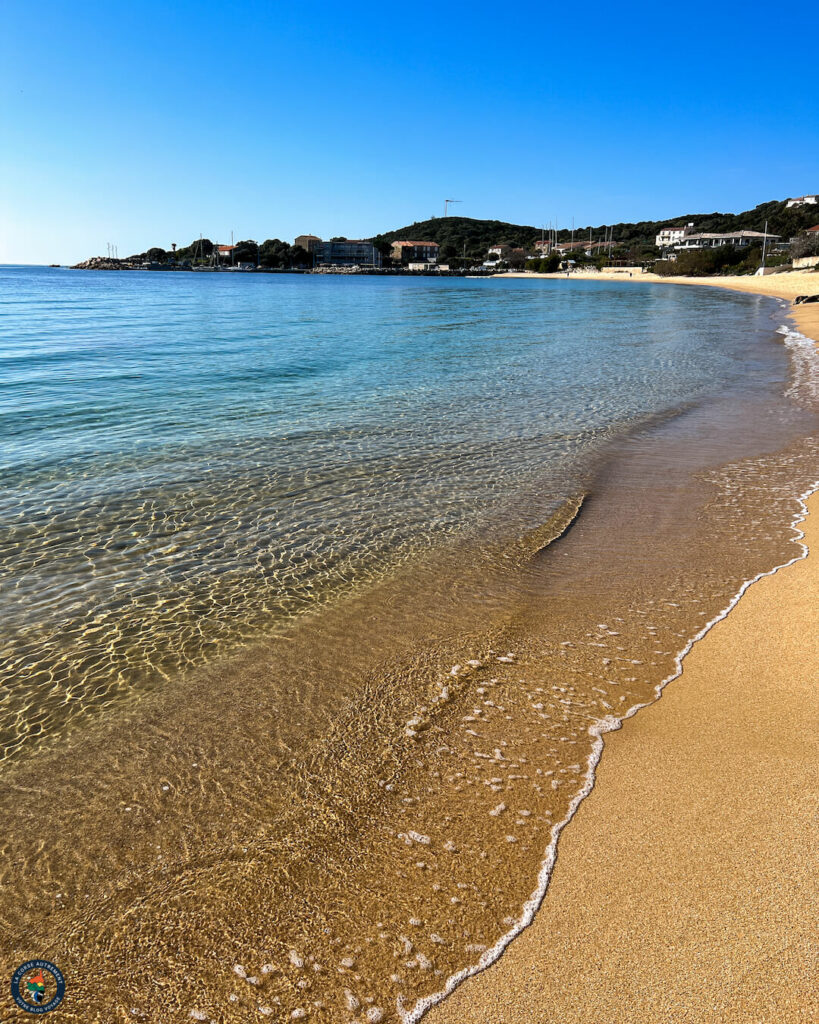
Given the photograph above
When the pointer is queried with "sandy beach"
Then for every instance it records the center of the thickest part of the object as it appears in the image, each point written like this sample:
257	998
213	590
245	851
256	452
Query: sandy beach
325	816
685	887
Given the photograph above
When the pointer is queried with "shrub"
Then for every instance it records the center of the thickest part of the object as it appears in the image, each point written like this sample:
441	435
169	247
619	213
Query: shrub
709	262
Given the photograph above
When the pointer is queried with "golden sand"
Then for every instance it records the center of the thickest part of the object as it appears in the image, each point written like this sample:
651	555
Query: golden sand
685	888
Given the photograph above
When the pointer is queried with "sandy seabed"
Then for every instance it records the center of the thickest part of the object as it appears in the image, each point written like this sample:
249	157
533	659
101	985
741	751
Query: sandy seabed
780	286
680	899
685	888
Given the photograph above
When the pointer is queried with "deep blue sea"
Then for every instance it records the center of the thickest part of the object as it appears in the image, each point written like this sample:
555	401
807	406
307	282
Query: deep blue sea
185	459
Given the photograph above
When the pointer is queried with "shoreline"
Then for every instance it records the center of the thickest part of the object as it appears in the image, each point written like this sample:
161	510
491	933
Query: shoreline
724	924
575	960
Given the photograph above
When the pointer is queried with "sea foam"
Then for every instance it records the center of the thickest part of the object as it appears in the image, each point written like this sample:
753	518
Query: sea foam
410	1015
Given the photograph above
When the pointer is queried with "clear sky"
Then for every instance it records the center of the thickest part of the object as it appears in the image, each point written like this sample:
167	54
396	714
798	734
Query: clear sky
147	123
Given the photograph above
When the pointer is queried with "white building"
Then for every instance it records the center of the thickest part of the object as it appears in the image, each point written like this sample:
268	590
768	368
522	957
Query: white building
803	201
671	236
712	240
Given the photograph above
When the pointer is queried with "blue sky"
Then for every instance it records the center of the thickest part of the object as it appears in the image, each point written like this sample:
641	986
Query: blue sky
149	123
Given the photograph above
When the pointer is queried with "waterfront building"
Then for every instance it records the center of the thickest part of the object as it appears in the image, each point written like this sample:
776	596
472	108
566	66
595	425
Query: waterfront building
307	242
426	267
414	252
671	236
349	253
713	239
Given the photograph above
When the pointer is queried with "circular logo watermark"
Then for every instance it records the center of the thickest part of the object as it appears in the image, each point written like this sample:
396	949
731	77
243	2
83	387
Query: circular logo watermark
38	986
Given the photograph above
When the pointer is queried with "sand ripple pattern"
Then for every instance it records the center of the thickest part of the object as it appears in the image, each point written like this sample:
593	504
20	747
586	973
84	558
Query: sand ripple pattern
187	465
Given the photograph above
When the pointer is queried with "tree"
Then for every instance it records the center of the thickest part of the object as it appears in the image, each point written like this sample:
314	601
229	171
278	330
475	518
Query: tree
551	264
245	252
274	254
805	245
199	249
708	262
385	248
300	257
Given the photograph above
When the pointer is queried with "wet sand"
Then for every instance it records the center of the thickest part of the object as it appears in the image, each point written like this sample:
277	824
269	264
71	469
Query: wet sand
685	887
698	843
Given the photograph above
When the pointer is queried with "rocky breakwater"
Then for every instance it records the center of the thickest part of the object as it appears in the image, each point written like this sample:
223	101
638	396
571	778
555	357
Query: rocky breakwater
104	263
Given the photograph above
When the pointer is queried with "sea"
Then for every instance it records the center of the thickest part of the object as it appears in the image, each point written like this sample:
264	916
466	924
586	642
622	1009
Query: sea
318	593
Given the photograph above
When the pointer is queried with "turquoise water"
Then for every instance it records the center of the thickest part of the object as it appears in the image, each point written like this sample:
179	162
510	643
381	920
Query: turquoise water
186	460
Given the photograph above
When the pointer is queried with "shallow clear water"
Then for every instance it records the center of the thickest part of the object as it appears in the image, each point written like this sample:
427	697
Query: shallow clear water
334	504
187	459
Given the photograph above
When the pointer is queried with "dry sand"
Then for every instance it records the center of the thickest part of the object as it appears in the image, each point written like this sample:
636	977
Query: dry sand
686	888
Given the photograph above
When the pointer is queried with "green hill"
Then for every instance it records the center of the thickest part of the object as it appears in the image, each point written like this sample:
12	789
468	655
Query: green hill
453	233
466	236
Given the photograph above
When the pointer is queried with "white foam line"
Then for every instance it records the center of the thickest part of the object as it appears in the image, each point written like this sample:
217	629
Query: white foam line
805	358
597	731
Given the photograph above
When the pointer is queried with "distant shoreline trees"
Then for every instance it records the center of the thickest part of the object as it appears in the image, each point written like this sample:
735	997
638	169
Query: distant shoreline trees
464	241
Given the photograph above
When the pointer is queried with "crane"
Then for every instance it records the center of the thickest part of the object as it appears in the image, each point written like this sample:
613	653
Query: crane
447	202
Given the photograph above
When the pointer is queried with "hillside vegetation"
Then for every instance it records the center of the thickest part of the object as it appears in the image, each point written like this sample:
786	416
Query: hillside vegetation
453	233
468	237
637	239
